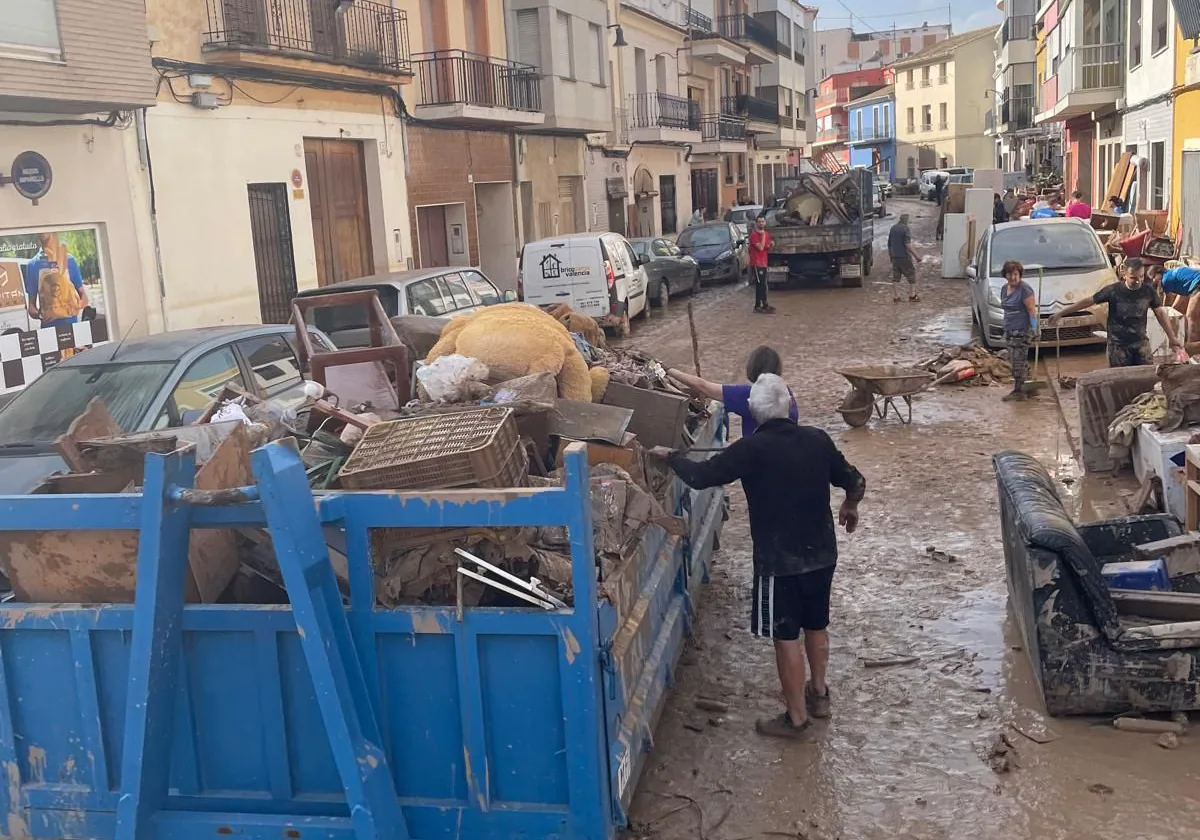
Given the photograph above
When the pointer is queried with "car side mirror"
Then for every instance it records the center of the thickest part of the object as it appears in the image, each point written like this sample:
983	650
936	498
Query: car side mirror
971	273
509	296
643	259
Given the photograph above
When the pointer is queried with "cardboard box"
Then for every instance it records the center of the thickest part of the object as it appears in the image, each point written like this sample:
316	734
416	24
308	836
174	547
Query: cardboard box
659	418
629	456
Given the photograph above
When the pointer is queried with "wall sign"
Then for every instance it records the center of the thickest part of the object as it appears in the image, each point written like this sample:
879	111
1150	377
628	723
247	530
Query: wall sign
31	175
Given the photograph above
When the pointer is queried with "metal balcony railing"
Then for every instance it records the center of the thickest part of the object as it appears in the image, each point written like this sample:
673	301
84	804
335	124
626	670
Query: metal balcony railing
698	22
943	80
1016	114
1017	28
837	134
370	35
750	107
871	134
927	126
926	83
909	86
717	127
745	28
663	110
943	126
452	77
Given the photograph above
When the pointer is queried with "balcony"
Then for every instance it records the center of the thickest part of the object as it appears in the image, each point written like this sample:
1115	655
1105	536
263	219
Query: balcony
871	134
788	134
1017	44
926	127
926	83
721	134
827	136
757	38
697	22
1016	114
943	126
761	115
989	123
1017	28
1089	78
464	88
943	80
366	42
663	118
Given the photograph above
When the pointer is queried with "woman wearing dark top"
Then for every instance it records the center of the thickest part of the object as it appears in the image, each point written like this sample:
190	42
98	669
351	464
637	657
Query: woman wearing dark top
999	214
736	397
1020	323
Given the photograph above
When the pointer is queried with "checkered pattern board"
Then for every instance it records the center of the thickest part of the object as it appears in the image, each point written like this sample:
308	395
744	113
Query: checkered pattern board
25	356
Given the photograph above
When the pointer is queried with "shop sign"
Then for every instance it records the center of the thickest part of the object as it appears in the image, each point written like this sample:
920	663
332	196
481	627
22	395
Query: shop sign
31	175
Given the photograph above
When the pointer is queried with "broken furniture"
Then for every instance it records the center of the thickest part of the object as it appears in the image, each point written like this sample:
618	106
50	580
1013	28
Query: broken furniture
1101	395
379	374
1094	650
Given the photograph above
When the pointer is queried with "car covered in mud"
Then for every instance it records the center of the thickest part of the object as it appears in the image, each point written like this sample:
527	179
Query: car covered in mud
1064	262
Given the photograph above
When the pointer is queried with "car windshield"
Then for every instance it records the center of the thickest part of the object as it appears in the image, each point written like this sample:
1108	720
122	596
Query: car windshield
1054	247
693	237
332	319
743	215
640	246
45	409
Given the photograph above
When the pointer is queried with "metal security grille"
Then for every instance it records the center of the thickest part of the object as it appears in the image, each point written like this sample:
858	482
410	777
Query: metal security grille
274	261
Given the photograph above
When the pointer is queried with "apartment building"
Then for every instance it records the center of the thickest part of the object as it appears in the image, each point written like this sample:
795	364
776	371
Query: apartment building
71	73
834	94
940	103
841	49
871	137
1014	99
1184	197
1147	118
1081	67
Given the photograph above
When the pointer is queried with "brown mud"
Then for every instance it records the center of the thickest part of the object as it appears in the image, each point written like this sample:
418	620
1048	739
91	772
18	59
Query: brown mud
906	752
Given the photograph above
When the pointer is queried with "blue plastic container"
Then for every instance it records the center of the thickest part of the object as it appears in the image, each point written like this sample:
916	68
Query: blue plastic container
1147	575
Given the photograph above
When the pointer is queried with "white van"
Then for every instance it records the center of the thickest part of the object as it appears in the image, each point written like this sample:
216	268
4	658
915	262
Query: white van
598	274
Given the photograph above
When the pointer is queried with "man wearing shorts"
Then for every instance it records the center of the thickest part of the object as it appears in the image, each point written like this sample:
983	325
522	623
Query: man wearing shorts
904	259
786	471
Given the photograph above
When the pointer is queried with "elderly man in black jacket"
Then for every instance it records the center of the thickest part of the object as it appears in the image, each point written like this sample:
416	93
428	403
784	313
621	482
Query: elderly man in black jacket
786	471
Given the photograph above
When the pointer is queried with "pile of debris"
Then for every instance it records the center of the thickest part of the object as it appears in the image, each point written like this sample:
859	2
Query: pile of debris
818	199
467	427
968	364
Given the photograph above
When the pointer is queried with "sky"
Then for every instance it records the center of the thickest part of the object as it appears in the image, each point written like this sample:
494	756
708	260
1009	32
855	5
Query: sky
882	14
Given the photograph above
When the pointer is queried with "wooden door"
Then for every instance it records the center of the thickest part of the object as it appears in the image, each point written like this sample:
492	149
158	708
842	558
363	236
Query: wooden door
431	235
337	185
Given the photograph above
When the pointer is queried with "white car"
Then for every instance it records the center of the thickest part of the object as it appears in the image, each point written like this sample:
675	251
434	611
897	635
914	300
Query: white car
598	274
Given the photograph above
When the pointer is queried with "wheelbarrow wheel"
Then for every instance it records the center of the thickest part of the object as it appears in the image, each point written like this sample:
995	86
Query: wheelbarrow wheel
856	408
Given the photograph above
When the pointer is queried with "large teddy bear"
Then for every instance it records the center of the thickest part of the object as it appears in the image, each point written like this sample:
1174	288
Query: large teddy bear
516	339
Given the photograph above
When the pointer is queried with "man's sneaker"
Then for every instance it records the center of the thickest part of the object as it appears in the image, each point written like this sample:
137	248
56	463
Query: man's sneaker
781	726
818	704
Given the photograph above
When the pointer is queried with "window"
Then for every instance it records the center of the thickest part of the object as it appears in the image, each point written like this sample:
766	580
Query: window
455	291
858	124
887	121
201	384
596	42
1158	19
943	118
912	166
425	298
272	362
925	76
728	169
909	80
822	51
564	51
943	74
660	248
1135	33
529	38
482	288
912	121
1158	176
788	101
30	24
926	117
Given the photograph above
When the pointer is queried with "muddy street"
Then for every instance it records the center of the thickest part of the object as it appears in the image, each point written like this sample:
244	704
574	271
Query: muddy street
903	756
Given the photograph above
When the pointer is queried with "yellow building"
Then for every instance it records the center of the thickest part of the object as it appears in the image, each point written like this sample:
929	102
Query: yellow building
941	104
1185	197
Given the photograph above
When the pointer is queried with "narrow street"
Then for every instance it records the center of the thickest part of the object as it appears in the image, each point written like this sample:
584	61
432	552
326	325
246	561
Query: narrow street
902	756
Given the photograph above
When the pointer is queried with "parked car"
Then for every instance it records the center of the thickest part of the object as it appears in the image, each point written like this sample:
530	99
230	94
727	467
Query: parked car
435	292
950	175
1074	266
598	274
669	272
148	383
879	201
720	250
743	215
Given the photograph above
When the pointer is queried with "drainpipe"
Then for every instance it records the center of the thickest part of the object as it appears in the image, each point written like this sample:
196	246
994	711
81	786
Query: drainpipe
143	142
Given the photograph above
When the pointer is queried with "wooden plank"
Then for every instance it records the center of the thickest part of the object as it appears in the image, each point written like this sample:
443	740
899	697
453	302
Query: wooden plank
213	555
1161	606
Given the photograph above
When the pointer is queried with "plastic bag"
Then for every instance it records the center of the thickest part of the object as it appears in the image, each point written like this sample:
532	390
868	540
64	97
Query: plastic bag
449	378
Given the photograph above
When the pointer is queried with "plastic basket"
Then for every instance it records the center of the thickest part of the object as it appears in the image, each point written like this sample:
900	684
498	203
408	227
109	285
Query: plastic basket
477	448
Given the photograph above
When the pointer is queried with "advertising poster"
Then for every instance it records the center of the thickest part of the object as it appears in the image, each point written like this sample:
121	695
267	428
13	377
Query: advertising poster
52	300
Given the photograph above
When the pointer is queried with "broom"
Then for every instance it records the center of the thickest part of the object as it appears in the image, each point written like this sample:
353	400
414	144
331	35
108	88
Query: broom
1037	384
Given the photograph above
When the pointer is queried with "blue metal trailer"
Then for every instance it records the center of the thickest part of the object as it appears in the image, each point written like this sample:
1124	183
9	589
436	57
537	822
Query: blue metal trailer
160	720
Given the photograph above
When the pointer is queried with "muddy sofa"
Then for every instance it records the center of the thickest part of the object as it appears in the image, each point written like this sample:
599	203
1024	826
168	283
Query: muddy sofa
1093	651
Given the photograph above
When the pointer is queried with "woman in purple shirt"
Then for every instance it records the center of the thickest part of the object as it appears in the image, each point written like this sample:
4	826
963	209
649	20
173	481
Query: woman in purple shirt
736	397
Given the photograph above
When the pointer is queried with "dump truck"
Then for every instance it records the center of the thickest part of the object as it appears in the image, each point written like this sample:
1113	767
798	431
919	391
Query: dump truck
330	716
822	228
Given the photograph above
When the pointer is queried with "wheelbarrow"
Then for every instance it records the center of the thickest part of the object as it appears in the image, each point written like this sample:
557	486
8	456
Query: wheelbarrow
878	387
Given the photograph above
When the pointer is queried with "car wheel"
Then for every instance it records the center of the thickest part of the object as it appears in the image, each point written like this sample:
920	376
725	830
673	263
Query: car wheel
645	313
696	281
664	295
624	328
983	335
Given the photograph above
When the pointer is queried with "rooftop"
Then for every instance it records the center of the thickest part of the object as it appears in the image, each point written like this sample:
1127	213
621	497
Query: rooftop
945	49
887	92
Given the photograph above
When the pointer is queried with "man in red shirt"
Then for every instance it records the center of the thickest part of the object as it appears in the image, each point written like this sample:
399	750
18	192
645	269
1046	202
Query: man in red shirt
760	243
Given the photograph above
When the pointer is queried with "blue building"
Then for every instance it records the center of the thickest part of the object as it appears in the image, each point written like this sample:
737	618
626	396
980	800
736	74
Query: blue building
872	134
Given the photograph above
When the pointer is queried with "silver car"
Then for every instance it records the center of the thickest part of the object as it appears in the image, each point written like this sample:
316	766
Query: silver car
1073	266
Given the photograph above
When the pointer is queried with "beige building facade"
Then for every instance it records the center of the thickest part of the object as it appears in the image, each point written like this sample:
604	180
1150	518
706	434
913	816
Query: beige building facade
941	105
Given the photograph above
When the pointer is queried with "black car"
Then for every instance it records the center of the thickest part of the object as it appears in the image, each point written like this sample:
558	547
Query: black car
720	250
669	272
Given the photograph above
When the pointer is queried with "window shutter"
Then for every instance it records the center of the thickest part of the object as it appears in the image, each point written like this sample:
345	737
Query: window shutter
29	23
529	38
562	46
